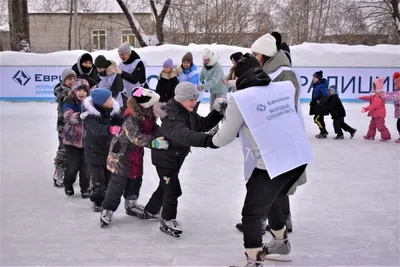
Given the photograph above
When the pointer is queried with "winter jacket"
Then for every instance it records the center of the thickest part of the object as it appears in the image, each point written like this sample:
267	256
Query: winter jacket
73	129
231	78
281	60
234	121
80	70
182	129
166	85
395	97
60	92
126	153
286	50
189	75
97	136
212	79
335	107
111	80
320	95
376	106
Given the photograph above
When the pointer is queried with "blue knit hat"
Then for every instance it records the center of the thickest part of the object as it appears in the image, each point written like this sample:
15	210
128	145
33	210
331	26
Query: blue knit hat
319	74
100	96
333	87
168	63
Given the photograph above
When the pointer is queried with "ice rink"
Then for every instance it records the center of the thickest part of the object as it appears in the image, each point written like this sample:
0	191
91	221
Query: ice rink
347	214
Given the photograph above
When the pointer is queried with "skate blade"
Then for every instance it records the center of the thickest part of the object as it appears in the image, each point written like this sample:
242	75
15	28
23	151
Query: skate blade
278	257
171	233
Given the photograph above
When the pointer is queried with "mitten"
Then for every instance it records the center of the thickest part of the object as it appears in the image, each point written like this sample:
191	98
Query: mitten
84	115
160	143
220	105
363	110
209	142
115	130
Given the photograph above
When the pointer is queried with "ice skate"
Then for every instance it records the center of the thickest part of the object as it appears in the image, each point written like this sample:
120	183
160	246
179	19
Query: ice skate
366	137
385	140
278	249
58	177
85	193
148	216
69	191
95	207
255	257
322	134
133	209
106	217
338	137
352	132
171	227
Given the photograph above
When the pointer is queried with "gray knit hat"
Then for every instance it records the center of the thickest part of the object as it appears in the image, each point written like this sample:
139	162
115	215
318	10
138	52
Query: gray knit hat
186	91
67	73
125	48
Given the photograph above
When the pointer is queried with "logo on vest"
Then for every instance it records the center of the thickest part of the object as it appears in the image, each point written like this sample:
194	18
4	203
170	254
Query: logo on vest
261	107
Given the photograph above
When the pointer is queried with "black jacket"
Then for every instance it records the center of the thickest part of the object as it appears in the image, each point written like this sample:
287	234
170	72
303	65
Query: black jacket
166	88
97	138
182	129
93	73
138	74
335	107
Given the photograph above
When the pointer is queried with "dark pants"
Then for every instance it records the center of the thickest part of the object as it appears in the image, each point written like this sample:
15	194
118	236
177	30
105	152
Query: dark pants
99	178
75	163
196	107
319	121
398	125
339	124
61	154
285	207
166	194
118	186
263	197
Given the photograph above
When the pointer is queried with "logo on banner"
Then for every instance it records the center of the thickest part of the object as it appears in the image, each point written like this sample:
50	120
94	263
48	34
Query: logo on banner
21	78
261	107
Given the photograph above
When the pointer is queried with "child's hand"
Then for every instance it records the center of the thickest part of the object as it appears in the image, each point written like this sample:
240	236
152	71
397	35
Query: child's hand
225	82
220	105
160	143
363	110
115	130
200	88
84	115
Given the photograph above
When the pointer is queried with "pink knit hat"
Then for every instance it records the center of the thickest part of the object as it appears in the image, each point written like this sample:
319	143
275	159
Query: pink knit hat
378	84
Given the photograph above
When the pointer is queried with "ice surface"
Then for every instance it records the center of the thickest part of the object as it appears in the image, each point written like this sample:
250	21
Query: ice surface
347	214
304	55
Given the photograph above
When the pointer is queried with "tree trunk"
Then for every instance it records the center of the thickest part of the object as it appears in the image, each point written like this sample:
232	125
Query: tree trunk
19	25
396	14
70	25
160	19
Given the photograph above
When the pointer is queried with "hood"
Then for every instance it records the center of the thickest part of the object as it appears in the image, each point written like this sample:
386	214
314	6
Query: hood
82	69
109	70
94	110
176	71
253	77
279	60
212	56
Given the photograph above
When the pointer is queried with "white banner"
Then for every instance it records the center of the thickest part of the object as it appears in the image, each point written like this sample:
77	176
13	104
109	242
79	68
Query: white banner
37	83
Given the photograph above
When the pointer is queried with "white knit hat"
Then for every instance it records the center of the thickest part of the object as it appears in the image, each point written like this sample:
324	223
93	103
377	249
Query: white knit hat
265	45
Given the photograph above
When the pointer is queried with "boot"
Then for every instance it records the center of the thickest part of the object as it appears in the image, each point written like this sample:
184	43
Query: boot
278	248
255	257
323	134
352	132
338	137
132	208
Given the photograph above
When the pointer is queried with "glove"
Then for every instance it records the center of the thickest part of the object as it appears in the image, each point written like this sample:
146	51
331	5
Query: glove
363	110
160	143
209	142
115	130
220	105
84	115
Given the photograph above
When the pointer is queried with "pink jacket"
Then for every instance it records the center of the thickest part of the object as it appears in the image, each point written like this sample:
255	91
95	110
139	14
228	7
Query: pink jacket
376	106
395	97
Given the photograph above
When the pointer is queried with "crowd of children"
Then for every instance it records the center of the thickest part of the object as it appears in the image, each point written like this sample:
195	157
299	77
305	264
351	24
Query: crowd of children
107	116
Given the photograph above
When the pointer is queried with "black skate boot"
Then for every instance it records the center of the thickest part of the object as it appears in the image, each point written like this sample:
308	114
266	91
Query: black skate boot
171	227
106	217
323	134
148	216
85	193
133	208
96	207
69	191
352	132
278	249
338	137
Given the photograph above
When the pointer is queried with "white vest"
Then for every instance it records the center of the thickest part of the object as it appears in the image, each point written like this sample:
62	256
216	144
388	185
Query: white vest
106	81
269	112
128	87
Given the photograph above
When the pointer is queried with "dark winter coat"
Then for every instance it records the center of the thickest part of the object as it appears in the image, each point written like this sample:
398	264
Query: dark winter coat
60	92
182	129
73	129
335	107
286	49
97	136
126	153
111	80
320	95
80	70
166	85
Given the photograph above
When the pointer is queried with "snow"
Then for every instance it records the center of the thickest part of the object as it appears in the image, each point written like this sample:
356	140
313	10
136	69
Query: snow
304	55
346	215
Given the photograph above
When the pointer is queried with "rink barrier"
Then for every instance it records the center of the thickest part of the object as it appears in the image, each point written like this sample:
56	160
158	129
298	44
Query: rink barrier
36	83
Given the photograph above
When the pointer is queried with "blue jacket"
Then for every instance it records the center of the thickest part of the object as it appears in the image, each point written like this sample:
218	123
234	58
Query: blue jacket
321	89
190	75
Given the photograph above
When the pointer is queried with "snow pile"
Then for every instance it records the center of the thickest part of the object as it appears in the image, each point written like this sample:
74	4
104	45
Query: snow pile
304	55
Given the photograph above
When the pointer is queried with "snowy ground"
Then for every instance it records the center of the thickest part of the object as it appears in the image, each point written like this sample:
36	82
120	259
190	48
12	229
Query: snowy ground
347	214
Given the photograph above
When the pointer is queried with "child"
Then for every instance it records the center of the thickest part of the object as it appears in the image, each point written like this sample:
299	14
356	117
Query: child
335	107
231	78
395	97
73	135
190	74
377	112
182	128
320	95
168	80
125	159
84	66
101	122
107	70
61	91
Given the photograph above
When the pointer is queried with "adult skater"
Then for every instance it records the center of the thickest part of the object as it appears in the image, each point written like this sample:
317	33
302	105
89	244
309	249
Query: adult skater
265	115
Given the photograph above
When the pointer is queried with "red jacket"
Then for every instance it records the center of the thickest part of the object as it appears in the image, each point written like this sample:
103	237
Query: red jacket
376	106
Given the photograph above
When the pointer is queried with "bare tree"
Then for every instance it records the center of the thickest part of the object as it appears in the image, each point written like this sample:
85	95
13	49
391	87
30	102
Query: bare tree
160	17
19	25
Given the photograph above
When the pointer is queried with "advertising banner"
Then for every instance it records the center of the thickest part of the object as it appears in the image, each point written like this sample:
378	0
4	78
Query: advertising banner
36	83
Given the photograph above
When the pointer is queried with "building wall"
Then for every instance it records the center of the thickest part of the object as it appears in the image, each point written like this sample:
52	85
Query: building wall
49	32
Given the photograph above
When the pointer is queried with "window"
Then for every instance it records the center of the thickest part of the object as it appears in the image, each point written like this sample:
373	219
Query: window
127	35
99	39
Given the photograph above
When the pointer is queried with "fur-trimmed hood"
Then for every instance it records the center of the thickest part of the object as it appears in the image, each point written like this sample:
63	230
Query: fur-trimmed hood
109	70
159	110
91	109
212	56
176	71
